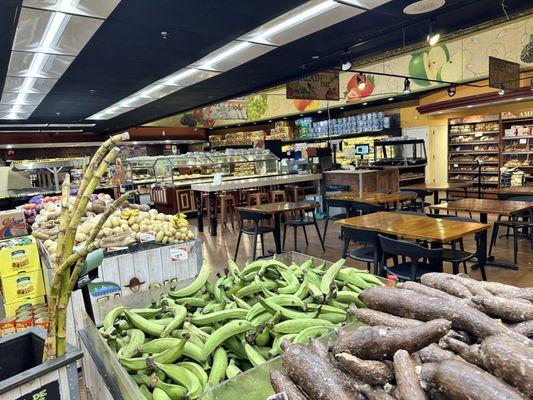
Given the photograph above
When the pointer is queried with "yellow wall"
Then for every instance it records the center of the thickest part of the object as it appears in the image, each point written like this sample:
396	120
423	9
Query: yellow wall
438	123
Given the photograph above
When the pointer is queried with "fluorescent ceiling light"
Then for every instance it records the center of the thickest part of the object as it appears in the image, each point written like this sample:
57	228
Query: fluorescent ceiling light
46	42
23	125
69	125
301	21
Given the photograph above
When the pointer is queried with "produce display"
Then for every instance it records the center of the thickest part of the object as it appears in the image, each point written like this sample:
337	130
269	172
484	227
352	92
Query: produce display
202	334
129	224
448	337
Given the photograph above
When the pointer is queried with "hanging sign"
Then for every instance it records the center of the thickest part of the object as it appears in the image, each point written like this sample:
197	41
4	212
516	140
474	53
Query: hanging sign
228	110
503	73
319	86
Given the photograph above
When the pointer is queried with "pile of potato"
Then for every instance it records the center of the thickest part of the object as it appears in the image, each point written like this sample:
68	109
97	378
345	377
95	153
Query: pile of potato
123	228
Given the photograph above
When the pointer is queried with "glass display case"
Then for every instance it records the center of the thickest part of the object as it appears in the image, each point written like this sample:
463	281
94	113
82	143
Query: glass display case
176	168
399	151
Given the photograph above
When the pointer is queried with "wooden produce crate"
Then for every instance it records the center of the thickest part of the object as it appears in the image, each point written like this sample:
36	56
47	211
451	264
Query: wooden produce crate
23	375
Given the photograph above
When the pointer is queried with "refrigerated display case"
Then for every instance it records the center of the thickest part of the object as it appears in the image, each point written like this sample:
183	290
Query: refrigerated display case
407	155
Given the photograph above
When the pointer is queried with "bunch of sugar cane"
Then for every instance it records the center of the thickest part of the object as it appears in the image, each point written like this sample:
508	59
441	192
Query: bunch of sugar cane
63	280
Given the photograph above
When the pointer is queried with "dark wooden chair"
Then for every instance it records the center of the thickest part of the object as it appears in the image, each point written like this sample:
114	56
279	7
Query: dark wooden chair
416	261
255	230
303	221
337	204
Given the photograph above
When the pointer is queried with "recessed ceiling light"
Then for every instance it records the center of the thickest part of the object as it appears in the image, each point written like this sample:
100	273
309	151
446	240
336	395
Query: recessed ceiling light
365	103
315	57
469	106
390	98
519	99
423	6
342	108
319	111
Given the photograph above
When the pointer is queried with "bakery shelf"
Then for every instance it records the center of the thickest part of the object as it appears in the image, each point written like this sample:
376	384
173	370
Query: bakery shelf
474	142
517	137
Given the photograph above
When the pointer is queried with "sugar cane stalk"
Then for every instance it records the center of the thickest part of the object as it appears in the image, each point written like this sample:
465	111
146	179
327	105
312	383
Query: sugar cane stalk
79	212
50	345
59	292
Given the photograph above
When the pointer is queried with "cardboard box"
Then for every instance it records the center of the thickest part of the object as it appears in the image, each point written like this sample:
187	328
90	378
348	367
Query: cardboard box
18	254
12	223
22	285
11	308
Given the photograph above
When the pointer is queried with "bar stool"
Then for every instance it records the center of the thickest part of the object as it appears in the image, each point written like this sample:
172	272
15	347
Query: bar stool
278	196
258	198
245	195
294	192
227	205
205	204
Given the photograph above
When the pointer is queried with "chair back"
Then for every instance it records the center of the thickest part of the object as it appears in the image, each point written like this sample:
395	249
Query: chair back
412	251
364	208
245	215
452	218
360	235
337	203
521	198
413	195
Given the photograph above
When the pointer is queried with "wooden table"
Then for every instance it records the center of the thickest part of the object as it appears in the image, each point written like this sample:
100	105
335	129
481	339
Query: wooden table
504	193
414	227
370	197
244	183
419	227
436	187
276	209
485	207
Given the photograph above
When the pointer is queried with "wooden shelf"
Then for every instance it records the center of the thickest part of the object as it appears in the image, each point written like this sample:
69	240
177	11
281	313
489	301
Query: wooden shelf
412	178
473	133
474	151
454	171
472	162
517	137
474	142
505	153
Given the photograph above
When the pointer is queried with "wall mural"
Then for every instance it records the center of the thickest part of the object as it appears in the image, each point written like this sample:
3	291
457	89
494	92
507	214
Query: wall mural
451	61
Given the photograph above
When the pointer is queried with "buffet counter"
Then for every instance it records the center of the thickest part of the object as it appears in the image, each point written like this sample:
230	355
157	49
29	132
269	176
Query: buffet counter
246	183
364	180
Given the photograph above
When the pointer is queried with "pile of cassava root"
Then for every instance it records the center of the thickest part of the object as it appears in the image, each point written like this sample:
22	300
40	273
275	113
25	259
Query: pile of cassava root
448	337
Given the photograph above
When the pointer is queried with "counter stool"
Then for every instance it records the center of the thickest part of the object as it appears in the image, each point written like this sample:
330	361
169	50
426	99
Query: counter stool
295	192
258	198
245	195
278	196
205	204
227	205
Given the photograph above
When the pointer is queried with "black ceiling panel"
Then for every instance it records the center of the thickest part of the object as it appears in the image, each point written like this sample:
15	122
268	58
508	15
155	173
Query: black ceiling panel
128	52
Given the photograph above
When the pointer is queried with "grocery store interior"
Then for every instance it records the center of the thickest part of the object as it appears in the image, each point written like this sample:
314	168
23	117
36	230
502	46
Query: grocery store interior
298	199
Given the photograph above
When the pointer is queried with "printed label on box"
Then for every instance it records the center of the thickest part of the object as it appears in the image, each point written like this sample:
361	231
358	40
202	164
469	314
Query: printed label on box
179	253
147	237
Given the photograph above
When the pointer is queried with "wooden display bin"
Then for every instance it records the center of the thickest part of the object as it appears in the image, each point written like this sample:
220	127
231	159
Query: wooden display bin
24	377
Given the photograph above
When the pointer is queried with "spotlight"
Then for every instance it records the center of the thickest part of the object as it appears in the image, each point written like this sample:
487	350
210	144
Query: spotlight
361	81
346	65
407	86
501	92
390	98
432	37
451	91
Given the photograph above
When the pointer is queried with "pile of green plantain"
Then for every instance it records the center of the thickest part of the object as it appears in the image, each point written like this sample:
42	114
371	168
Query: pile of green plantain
206	332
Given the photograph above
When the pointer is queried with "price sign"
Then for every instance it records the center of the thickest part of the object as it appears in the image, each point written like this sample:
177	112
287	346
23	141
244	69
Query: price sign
478	134
179	253
455	165
522	141
50	391
147	237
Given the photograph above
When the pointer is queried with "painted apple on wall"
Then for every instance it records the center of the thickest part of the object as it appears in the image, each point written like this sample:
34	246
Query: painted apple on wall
304	105
435	63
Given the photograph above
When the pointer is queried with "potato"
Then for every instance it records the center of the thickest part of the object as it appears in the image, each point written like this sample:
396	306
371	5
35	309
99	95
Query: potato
161	217
100	234
117	230
183	229
191	235
165	240
135	227
80	237
115	221
47	243
132	220
107	231
144	228
52	248
159	236
125	227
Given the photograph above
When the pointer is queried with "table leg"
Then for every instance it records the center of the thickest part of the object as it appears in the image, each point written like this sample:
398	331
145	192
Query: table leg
200	213
483	260
435	197
212	210
277	232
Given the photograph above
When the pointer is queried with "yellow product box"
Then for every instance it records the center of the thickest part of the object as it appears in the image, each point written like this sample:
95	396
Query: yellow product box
18	254
22	285
11	308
